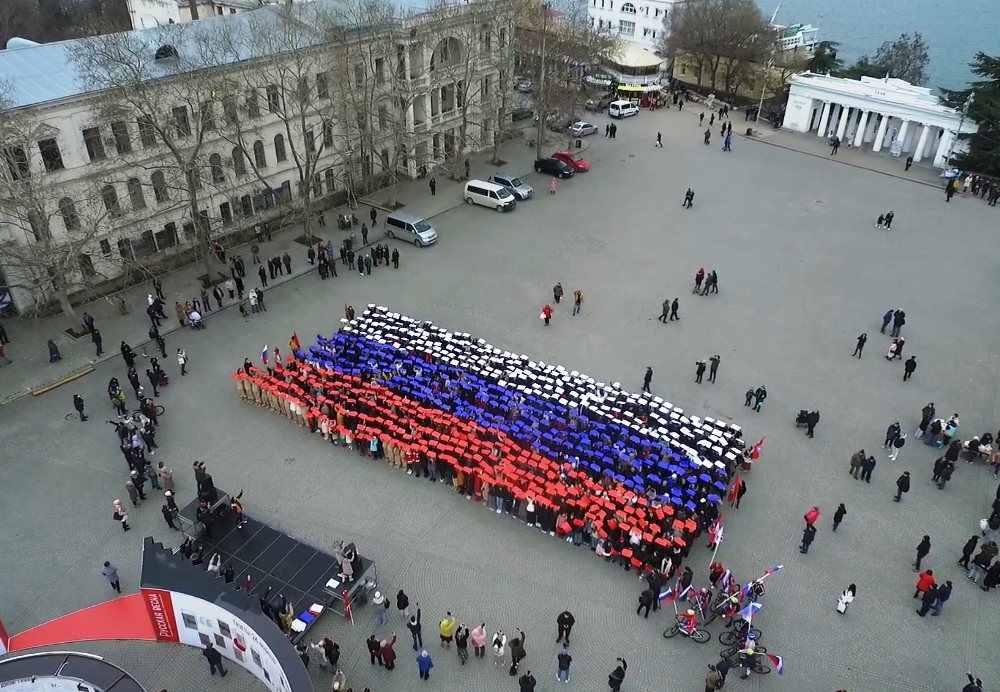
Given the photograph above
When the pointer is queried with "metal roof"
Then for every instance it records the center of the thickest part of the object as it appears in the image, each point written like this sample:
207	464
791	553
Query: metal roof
47	73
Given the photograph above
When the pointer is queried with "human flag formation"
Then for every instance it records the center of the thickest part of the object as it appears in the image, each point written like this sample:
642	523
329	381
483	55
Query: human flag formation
779	665
755	452
667	595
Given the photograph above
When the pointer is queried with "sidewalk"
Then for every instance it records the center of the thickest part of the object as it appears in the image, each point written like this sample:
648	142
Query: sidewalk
30	370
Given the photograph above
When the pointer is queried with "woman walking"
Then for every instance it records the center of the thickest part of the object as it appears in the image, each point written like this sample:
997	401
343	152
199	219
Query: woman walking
846	598
499	647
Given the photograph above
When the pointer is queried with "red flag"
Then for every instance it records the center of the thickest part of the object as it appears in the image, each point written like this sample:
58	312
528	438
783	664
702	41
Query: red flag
293	343
735	492
347	608
755	453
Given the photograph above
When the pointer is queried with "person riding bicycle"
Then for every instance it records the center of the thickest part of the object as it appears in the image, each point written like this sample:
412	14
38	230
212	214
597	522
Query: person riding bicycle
747	656
756	590
686	622
704	600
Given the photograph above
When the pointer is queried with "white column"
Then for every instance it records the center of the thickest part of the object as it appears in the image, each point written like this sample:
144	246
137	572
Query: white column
880	135
842	126
859	136
942	150
932	141
918	154
902	132
824	119
870	130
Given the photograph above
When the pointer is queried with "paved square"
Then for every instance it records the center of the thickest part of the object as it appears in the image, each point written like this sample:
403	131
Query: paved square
801	271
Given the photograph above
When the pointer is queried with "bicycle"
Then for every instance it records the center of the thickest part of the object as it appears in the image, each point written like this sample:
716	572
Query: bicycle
137	414
734	651
698	635
731	638
759	667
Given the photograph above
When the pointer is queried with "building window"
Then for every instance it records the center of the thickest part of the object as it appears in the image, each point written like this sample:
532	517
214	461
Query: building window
502	38
95	146
239	164
135	195
160	191
86	265
71	220
188	228
626	28
322	86
147	133
229	110
182	124
311	141
194	179
207	116
380	69
105	247
110	197
253	104
246	205
302	89
167	237
215	164
123	142
125	249
226	212
49	149
331	180
17	162
279	148
273	99
327	135
383	117
628	8
259	157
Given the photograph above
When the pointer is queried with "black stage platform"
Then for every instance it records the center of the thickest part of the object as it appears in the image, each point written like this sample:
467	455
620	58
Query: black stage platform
294	569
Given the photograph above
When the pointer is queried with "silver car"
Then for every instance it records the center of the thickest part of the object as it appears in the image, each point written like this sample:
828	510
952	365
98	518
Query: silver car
581	129
520	189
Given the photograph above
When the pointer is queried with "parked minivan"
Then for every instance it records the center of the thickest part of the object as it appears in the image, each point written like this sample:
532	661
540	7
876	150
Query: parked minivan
622	109
410	228
489	195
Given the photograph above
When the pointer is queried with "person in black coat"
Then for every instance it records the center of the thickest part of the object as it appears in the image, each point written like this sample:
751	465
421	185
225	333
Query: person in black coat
617	676
967	550
927	600
861	345
839	515
902	486
807	538
565	621
127	355
812	420
646	599
923	548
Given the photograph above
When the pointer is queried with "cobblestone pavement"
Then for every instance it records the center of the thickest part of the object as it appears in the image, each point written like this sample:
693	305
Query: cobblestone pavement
802	273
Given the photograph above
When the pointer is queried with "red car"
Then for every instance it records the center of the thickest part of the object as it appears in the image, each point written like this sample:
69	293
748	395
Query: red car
575	160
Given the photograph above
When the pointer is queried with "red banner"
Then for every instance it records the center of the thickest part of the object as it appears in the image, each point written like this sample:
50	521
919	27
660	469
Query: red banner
161	614
347	608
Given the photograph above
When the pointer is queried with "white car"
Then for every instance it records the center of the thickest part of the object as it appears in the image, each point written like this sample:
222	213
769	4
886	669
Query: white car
580	129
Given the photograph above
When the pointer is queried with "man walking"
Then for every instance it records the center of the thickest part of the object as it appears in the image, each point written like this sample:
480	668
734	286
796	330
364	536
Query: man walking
898	320
902	486
857	459
861	346
866	469
182	359
887	318
78	405
645	601
967	550
888	219
688	198
659	140
808	535
565	621
909	367
897	445
110	573
647	379
214	660
373	215
834	146
432	184
923	548
395	258
665	311
714	367
563	661
673	310
699	370
759	396
839	515
95	336
891	433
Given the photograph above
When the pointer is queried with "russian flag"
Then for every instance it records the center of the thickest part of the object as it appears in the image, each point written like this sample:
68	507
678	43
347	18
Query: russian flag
263	355
683	595
771	570
667	595
755	452
749	611
779	665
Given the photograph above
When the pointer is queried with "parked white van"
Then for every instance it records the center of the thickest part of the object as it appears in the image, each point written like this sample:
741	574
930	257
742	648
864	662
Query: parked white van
622	109
410	228
489	195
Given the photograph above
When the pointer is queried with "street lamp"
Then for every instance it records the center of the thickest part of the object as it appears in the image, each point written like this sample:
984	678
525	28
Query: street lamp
961	122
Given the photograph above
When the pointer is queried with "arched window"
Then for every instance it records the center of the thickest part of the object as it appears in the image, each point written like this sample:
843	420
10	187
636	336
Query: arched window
215	163
135	194
628	8
279	148
110	197
71	220
239	163
160	191
259	156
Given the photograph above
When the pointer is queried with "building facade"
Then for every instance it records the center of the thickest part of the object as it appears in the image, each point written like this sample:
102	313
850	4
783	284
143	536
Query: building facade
876	114
207	154
639	22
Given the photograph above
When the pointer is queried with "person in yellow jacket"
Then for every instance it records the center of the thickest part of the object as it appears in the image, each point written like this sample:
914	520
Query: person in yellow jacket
447	630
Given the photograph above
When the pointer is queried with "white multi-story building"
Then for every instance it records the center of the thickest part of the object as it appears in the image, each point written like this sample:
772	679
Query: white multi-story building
192	147
640	22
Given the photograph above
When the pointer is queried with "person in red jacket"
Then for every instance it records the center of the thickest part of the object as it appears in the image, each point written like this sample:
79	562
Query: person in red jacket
924	581
811	516
387	653
547	314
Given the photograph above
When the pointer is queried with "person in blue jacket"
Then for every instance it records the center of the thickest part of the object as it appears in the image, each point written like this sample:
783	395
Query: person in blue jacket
424	663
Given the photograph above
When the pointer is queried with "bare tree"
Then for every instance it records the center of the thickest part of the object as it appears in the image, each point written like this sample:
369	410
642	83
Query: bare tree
53	227
723	37
156	83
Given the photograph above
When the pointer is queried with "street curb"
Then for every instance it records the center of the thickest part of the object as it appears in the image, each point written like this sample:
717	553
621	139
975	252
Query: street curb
842	162
65	380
